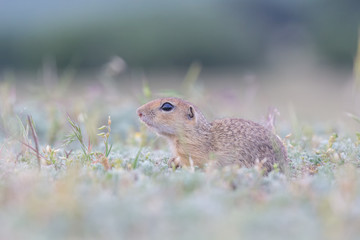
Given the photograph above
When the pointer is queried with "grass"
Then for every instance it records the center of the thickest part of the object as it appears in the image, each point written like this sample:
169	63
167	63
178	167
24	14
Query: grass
117	185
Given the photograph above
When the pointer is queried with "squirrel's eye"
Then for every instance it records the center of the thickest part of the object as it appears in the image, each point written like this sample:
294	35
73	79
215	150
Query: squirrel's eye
167	107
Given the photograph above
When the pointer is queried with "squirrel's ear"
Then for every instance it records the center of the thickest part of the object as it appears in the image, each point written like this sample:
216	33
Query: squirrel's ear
191	113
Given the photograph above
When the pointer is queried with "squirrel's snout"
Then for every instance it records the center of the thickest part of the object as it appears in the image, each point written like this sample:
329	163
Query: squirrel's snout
139	112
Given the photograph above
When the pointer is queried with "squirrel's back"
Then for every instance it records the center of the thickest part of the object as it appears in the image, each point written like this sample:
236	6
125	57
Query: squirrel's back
239	141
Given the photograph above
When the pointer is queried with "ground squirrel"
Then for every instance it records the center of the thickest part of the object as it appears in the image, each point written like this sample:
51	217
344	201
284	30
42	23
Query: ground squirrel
195	141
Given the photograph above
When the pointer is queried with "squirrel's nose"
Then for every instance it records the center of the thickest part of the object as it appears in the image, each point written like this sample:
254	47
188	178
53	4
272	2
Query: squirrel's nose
139	112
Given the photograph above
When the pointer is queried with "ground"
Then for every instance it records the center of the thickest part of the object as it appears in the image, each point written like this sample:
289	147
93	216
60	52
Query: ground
93	182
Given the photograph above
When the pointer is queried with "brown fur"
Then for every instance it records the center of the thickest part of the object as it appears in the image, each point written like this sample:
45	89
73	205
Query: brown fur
225	141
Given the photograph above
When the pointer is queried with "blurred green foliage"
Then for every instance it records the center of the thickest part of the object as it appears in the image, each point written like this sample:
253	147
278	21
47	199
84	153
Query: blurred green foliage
167	34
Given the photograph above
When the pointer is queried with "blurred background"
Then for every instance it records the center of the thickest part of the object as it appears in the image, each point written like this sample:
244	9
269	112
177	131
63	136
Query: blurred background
242	55
87	33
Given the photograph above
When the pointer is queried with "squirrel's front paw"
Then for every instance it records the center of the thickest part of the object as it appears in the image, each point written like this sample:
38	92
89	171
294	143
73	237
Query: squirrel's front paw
174	162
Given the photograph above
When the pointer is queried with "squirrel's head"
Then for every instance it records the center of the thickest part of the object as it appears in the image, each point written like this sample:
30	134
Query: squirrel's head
170	116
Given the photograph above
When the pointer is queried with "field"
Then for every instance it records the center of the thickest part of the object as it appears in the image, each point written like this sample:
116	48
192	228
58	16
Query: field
68	171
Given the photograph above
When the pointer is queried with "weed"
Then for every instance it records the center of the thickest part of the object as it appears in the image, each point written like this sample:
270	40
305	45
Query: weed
76	134
105	136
